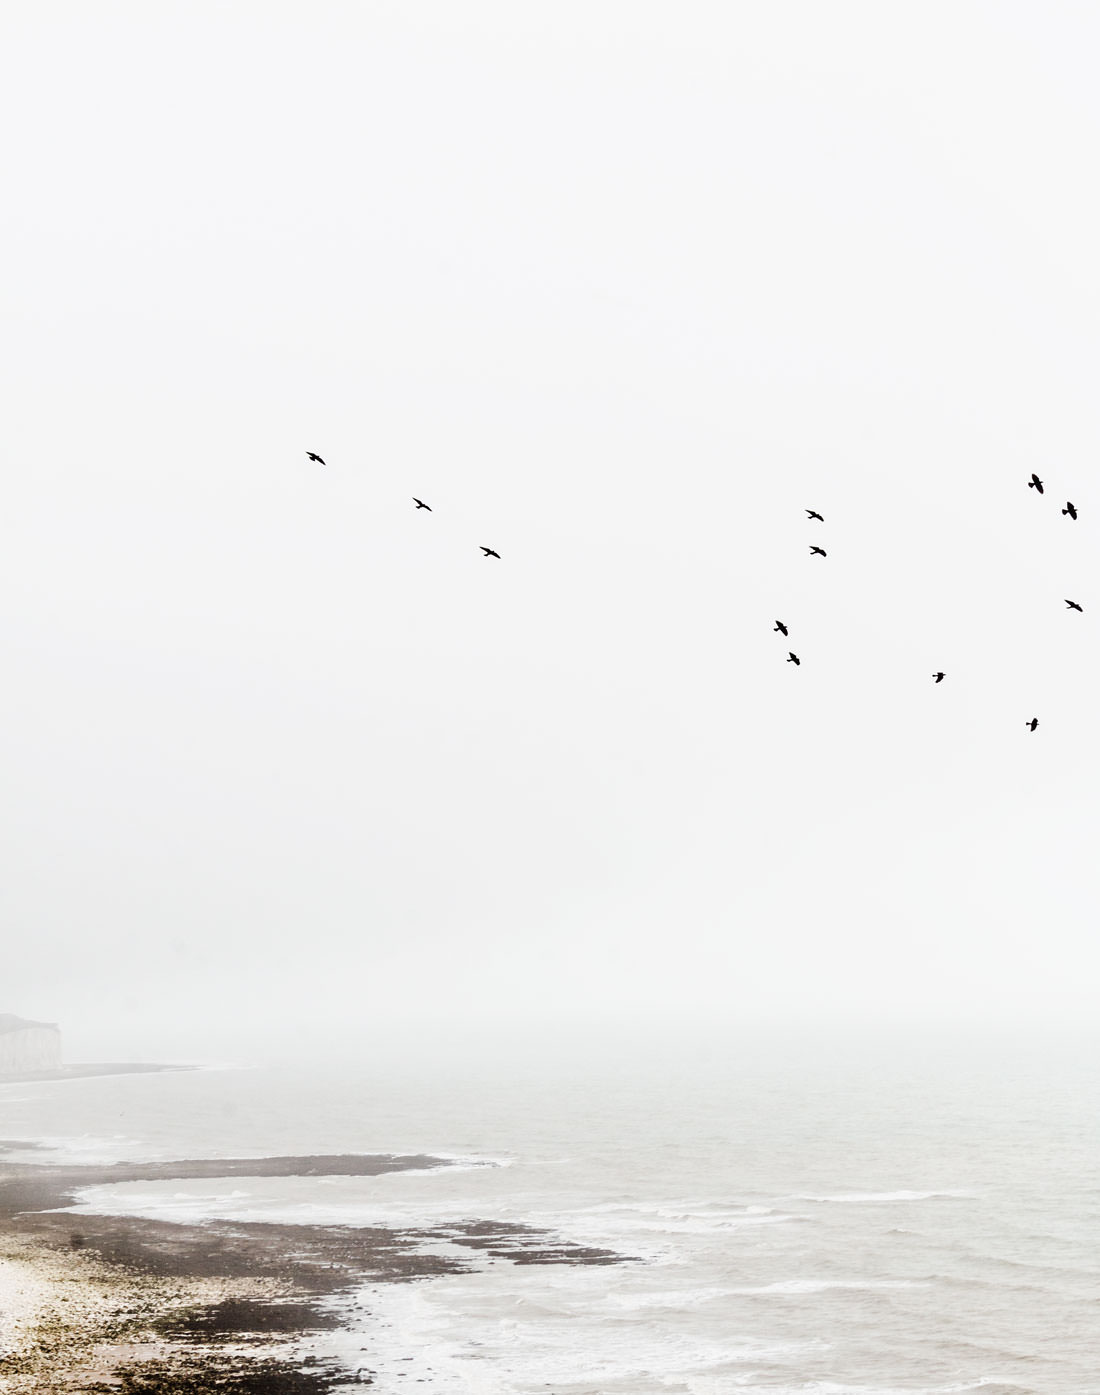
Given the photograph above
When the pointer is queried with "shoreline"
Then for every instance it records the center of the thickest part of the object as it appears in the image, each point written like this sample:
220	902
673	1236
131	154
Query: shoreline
93	1068
99	1303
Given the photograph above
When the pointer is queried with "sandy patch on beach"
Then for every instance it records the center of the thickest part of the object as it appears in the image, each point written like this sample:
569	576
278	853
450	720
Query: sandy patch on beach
25	1293
68	1321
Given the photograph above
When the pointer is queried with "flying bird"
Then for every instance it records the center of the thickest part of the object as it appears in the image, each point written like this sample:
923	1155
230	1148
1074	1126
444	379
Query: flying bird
1035	483
1074	606
1033	723
939	677
779	625
420	504
1070	510
314	456
793	659
814	514
490	553
819	550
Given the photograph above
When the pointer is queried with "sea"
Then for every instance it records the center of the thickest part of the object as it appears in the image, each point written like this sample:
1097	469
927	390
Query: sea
805	1214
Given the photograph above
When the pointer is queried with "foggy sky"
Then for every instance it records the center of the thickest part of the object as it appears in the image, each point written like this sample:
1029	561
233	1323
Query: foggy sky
619	289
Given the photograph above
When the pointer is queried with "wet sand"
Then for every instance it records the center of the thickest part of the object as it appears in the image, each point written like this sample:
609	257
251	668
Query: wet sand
104	1303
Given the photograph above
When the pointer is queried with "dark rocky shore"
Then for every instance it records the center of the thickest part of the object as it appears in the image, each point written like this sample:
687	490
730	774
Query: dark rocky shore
220	1306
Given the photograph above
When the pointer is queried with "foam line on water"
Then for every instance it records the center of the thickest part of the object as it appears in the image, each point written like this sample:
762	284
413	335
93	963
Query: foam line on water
801	1286
989	1384
854	1197
89	1150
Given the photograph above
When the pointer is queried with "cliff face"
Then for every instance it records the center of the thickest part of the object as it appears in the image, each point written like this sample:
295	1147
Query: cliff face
27	1046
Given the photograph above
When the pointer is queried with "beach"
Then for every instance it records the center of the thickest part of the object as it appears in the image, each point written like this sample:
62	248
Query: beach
770	1218
91	1303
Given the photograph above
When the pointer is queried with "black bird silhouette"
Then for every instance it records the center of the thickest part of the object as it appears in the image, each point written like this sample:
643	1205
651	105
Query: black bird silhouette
1074	606
939	677
819	550
1033	723
793	658
1070	510
314	456
779	625
1035	483
490	553
814	514
420	504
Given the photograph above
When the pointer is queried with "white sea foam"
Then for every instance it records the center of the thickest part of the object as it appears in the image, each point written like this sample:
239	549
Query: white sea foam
179	1207
882	1196
798	1286
156	1201
463	1162
611	1223
480	1337
990	1385
673	1299
88	1149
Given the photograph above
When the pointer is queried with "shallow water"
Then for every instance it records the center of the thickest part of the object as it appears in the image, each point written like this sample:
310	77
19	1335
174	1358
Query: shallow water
814	1216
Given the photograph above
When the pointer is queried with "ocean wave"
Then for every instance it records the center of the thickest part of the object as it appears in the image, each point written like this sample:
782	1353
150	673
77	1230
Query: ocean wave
702	1225
822	1285
654	1232
466	1162
844	1197
179	1208
142	1201
300	1201
675	1300
480	1337
91	1150
685	1217
988	1384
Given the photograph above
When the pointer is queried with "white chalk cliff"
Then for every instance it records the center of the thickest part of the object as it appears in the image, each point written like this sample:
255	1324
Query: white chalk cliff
27	1046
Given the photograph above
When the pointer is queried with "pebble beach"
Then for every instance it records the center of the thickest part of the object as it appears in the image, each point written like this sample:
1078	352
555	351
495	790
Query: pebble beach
108	1303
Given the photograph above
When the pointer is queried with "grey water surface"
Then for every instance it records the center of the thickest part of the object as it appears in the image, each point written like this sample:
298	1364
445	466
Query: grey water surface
815	1215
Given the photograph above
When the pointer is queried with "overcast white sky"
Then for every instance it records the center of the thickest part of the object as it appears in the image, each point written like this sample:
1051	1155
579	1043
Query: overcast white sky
619	289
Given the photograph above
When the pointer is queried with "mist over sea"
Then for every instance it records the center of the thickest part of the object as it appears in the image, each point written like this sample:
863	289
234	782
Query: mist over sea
807	1214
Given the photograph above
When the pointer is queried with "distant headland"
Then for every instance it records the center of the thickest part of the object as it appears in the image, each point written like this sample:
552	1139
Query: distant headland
32	1051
